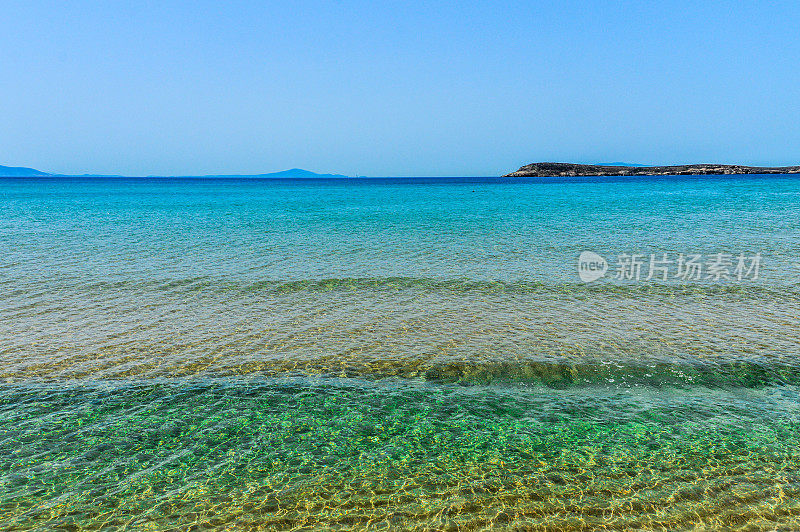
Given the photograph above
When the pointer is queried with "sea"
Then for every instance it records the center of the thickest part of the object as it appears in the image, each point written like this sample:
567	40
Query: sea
400	354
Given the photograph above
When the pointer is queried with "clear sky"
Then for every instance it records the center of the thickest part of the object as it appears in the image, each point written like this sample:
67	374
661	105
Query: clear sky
395	88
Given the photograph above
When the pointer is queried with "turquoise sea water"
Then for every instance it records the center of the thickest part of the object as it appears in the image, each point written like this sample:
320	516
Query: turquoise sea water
401	354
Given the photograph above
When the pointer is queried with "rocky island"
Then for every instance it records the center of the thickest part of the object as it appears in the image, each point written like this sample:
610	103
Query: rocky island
581	170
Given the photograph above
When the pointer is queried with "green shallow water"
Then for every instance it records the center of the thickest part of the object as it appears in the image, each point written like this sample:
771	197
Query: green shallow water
343	454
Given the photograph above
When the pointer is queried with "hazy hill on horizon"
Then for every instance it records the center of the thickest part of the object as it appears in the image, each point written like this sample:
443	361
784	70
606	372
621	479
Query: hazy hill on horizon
291	173
20	171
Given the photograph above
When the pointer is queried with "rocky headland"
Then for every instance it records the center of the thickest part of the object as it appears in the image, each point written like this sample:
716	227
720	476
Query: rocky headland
580	170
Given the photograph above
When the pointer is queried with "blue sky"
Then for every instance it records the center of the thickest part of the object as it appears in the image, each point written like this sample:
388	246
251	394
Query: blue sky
395	88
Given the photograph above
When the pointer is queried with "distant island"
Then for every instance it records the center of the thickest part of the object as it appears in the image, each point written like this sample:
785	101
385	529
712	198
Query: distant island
20	171
581	170
294	173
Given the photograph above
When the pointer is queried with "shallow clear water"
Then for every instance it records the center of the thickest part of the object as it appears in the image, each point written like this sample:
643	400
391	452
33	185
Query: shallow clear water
395	353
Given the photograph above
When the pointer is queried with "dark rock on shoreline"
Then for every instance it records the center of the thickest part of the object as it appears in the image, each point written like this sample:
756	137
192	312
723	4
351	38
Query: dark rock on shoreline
579	170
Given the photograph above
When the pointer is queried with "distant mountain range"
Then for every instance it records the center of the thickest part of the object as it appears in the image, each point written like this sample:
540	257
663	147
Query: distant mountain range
530	170
294	173
585	170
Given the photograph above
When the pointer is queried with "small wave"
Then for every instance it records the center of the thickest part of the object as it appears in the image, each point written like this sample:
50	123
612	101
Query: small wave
455	285
551	374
